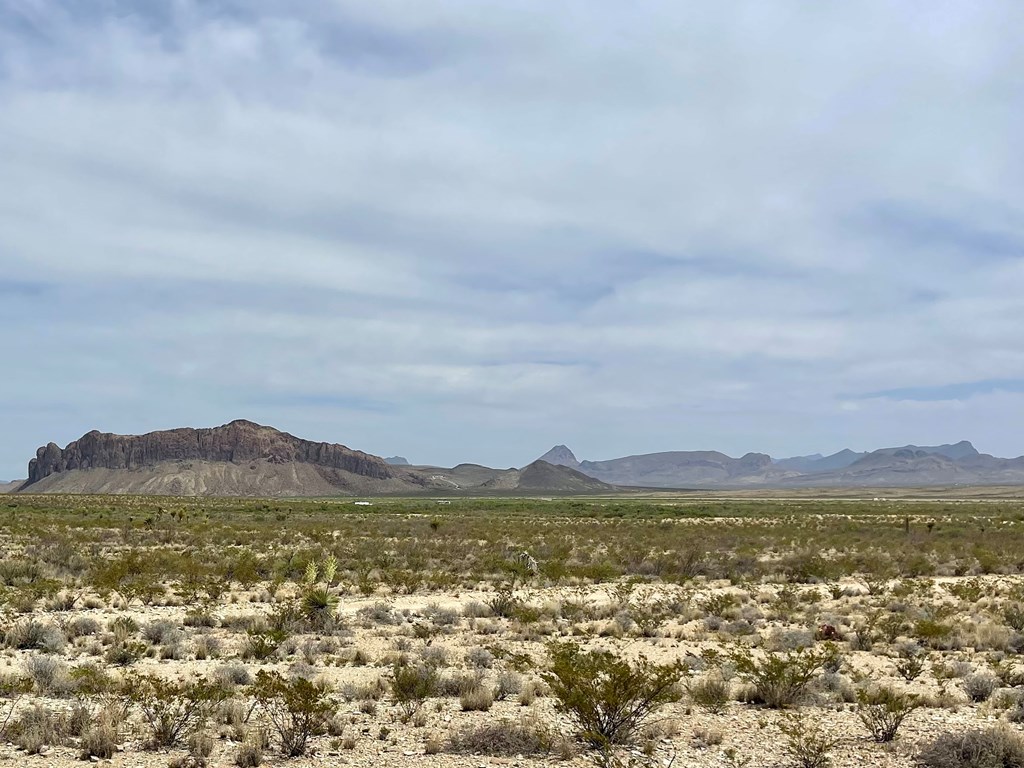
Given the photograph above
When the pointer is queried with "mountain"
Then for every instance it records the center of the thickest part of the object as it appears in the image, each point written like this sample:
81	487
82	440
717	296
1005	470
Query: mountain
962	450
10	487
681	469
818	463
544	477
240	458
397	461
247	459
560	456
906	466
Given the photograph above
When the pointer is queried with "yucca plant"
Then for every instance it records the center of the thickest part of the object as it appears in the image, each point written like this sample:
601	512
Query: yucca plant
330	569
318	606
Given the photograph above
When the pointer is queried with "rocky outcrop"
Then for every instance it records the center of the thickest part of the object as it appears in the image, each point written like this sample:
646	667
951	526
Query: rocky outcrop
238	442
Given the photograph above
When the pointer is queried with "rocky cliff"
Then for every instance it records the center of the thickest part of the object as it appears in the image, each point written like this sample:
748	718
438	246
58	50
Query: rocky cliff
238	442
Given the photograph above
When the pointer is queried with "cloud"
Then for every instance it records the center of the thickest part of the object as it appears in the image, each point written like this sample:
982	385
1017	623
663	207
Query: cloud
464	232
960	391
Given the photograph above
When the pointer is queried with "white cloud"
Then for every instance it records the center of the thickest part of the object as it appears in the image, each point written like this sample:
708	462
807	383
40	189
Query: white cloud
508	226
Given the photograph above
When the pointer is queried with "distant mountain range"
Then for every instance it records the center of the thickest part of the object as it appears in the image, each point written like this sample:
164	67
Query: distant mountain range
906	466
246	459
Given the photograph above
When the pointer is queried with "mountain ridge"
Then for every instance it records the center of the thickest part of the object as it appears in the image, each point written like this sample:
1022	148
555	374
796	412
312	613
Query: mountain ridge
243	458
909	465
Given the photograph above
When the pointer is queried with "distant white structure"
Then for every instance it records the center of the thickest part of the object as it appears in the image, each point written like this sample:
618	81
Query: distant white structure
363	503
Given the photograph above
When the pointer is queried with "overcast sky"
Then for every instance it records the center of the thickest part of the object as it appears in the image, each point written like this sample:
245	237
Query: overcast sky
466	231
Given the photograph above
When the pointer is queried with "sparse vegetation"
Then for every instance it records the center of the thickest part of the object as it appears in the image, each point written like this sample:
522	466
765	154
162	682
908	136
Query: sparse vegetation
108	606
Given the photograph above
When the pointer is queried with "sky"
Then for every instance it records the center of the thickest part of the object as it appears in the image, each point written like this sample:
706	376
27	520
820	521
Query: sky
465	231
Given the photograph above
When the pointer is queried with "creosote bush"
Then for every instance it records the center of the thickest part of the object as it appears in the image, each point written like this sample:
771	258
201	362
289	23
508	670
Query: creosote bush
780	680
172	710
882	710
297	710
608	697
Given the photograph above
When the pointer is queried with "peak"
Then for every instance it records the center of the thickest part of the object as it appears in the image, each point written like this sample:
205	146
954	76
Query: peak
245	423
560	455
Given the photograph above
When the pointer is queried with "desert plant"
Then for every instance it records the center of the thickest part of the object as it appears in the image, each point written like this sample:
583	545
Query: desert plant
318	606
882	710
100	737
172	710
606	696
709	693
505	738
980	686
780	680
12	689
412	685
997	747
807	745
478	699
297	710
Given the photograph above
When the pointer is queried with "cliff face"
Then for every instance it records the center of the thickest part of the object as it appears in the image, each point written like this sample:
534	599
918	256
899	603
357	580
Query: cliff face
237	442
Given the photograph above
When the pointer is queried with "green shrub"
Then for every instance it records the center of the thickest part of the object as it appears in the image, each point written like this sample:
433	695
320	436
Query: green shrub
883	710
412	685
808	746
318	606
172	710
780	680
297	710
608	698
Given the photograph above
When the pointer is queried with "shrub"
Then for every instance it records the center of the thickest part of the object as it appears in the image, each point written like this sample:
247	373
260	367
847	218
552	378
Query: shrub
710	693
606	696
458	684
509	684
297	709
997	747
99	738
12	688
807	745
172	710
504	738
477	700
82	626
883	710
479	658
249	755
412	685
37	728
780	680
32	635
980	686
261	642
229	675
49	675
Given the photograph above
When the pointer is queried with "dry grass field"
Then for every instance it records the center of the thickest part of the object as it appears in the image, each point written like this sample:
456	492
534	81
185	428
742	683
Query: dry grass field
646	632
